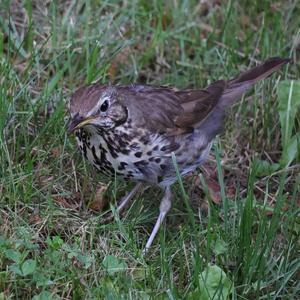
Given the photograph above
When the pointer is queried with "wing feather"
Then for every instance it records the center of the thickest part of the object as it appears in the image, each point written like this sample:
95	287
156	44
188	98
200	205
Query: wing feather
165	110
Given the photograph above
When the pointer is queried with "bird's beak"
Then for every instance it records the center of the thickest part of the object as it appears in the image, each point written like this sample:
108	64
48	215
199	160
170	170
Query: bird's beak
77	122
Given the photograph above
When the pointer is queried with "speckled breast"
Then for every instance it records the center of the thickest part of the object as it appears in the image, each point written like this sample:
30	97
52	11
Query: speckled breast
140	156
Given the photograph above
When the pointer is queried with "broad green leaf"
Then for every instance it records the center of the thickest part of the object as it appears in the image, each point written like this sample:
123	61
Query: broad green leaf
220	247
28	266
15	269
214	284
138	274
144	296
16	256
86	260
288	107
45	295
42	296
264	168
42	279
110	289
290	151
56	242
112	264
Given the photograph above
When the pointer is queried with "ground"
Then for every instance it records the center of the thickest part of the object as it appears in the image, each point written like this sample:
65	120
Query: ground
233	231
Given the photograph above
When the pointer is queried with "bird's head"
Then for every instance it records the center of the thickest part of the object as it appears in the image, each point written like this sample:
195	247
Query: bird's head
96	107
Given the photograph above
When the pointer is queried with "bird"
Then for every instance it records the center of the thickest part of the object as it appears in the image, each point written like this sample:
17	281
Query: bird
134	131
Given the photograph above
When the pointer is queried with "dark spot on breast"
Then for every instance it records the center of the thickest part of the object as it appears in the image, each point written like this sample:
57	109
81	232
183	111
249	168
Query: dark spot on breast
162	166
155	148
110	168
145	139
159	179
157	160
122	165
134	146
93	151
125	151
97	160
120	143
102	149
171	147
100	131
141	163
149	153
112	151
138	154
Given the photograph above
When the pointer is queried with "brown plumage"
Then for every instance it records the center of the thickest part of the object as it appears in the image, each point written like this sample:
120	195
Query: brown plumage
132	131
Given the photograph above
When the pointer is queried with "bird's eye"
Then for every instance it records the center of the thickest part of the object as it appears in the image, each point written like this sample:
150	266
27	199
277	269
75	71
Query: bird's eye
104	106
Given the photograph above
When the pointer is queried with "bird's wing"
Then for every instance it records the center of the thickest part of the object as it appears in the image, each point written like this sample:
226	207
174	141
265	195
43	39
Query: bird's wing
197	104
165	110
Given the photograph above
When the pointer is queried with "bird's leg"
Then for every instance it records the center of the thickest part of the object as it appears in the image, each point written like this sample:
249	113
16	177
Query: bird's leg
164	207
128	197
124	202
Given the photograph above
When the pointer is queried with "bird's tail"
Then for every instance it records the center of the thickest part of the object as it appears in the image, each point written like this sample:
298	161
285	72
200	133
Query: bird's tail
235	88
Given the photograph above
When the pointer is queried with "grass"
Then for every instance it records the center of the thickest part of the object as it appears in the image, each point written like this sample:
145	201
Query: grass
236	236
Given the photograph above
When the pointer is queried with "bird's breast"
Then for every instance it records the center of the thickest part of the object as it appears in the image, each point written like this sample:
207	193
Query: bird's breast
137	156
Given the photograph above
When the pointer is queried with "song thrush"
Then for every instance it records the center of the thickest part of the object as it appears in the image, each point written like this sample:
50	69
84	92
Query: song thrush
132	131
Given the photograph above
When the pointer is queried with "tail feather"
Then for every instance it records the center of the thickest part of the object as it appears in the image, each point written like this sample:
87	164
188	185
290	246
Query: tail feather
239	85
261	71
214	122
